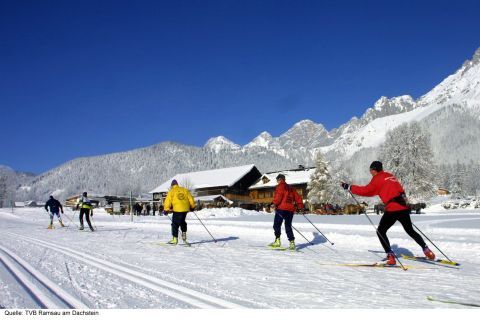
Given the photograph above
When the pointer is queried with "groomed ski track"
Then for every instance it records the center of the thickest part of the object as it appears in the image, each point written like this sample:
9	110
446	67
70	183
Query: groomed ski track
191	297
37	285
119	266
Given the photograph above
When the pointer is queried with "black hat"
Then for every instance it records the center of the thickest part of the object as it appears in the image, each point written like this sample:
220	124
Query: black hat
51	197
85	194
377	166
174	182
281	176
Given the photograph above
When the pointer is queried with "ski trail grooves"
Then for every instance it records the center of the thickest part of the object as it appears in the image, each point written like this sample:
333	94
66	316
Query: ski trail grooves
34	289
189	296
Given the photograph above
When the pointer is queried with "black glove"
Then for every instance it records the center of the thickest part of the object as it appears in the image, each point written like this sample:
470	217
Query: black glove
345	186
165	213
91	213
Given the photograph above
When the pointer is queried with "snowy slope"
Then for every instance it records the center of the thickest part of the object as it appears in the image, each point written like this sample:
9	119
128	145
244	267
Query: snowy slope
121	265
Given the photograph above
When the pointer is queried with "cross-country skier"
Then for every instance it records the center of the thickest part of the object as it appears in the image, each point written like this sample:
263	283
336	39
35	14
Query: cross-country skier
286	201
55	208
391	192
181	202
86	208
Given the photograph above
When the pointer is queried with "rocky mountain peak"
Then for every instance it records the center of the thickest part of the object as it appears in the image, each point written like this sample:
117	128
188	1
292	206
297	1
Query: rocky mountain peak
304	134
220	143
467	65
264	140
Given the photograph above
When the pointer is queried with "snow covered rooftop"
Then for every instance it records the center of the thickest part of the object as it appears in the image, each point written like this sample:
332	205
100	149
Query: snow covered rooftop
213	198
225	177
292	177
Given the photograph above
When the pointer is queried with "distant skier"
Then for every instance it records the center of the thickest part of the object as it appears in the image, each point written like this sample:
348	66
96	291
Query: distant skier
391	192
286	201
55	208
181	202
86	208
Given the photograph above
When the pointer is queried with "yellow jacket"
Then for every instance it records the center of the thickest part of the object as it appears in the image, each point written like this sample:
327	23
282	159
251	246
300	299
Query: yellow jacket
179	200
84	203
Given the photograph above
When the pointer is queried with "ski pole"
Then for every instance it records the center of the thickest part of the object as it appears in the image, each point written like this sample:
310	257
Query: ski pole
166	214
93	222
311	243
317	229
204	227
64	214
431	242
371	222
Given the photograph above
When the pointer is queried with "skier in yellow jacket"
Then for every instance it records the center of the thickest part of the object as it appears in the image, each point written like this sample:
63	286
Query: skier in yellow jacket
180	201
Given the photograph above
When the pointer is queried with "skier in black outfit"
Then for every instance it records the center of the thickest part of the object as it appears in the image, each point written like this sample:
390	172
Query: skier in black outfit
86	208
55	207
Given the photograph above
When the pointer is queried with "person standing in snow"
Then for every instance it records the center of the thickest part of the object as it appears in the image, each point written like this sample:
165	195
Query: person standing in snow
391	192
86	209
55	208
286	201
180	201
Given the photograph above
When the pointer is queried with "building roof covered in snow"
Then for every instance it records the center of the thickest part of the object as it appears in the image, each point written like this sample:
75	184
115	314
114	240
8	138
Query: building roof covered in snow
213	198
292	177
225	177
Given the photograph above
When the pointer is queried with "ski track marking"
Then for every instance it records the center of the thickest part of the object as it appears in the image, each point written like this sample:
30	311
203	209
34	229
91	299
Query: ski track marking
8	256
189	296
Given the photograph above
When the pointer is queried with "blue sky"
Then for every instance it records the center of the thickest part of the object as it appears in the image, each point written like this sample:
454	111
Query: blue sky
82	78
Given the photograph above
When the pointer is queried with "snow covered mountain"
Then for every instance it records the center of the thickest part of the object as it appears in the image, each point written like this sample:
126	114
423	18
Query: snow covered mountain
221	143
460	90
450	112
141	170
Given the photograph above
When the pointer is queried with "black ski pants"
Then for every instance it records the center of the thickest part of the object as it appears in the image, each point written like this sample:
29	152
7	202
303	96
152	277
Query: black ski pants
86	212
178	220
280	216
389	219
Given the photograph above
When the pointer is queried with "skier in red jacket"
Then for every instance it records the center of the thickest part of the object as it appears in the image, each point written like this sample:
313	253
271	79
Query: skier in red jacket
391	192
286	201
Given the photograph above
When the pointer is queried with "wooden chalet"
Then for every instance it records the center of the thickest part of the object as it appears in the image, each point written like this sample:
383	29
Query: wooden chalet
231	183
262	191
443	192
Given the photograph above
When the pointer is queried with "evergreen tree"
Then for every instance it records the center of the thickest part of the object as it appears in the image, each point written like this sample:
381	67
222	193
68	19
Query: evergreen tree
320	181
3	190
337	194
408	155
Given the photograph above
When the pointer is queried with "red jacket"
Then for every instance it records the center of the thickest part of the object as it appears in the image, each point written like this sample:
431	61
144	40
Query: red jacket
286	197
384	185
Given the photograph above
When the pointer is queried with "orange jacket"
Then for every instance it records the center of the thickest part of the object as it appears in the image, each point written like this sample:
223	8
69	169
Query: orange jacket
286	198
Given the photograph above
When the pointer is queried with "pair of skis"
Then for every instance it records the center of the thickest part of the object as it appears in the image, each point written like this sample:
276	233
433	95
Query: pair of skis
282	249
436	261
166	244
440	262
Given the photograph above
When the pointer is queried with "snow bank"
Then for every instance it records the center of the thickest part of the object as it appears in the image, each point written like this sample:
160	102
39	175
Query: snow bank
225	213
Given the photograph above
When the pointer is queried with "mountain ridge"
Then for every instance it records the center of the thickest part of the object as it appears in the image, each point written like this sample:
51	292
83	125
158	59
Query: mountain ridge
457	96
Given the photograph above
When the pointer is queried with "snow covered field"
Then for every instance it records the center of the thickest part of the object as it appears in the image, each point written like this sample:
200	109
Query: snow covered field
122	264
